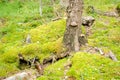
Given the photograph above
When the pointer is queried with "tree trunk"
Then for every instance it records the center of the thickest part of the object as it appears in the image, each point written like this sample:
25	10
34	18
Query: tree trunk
73	27
64	3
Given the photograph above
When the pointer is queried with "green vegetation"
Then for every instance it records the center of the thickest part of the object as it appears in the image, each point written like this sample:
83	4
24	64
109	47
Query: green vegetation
54	71
19	18
42	45
89	67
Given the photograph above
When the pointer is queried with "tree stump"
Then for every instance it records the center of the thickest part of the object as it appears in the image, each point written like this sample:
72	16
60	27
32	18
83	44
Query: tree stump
73	27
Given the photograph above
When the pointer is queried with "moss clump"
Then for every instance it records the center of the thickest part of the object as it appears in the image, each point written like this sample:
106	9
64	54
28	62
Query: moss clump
55	47
48	33
88	67
45	39
6	70
30	49
54	71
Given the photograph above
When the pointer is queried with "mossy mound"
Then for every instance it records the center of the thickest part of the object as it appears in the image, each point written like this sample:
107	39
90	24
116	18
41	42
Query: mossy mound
93	67
46	40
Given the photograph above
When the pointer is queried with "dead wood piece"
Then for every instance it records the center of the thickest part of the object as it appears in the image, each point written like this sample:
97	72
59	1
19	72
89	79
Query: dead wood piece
92	50
111	14
101	52
109	55
23	61
33	61
39	67
63	55
54	58
28	74
112	56
55	19
47	60
88	50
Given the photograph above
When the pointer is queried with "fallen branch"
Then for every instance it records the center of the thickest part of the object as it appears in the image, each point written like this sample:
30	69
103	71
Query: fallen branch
101	52
112	56
109	55
55	19
55	58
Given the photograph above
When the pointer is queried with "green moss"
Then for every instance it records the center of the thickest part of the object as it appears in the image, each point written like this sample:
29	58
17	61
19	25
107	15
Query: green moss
30	49
6	70
46	39
106	34
54	71
93	66
48	33
53	47
10	56
23	18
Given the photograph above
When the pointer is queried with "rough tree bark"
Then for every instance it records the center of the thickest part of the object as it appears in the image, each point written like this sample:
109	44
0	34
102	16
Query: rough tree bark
73	27
64	3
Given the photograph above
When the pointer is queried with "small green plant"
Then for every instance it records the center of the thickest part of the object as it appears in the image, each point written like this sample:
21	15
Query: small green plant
118	9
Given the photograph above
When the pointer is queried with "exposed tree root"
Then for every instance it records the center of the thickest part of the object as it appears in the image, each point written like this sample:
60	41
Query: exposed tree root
55	58
95	50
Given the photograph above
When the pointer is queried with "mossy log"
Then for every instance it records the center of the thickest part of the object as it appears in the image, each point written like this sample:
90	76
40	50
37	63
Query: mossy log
55	58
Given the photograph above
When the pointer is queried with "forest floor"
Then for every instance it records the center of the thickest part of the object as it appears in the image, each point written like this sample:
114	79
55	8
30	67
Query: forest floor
17	20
